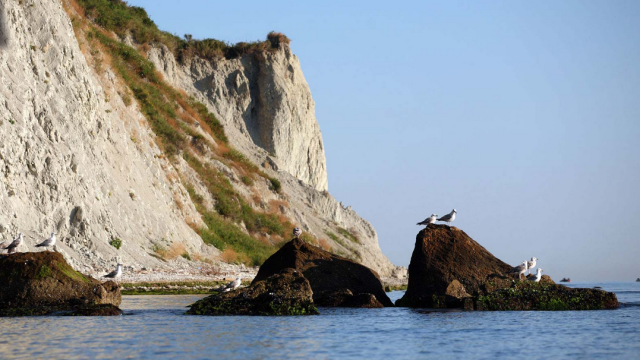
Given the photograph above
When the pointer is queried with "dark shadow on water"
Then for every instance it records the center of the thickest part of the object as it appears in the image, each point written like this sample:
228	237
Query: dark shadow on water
4	33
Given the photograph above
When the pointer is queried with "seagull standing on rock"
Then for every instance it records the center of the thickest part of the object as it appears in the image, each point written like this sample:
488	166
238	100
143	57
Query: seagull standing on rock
430	220
14	245
233	285
537	277
449	217
531	264
50	242
297	232
115	274
520	269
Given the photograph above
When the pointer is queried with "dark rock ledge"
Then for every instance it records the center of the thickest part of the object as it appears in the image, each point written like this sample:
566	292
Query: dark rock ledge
449	269
285	293
44	283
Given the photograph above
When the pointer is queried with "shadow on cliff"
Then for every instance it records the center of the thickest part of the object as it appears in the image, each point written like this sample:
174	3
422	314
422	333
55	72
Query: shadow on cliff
4	33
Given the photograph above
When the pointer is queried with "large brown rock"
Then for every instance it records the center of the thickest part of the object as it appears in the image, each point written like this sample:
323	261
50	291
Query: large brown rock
285	293
43	282
442	255
448	269
331	277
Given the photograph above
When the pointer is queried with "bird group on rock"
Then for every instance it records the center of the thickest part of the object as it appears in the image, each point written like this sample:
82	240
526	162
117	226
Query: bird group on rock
527	266
434	217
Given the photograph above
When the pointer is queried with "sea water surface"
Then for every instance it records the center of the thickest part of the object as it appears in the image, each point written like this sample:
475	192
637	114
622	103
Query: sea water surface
154	327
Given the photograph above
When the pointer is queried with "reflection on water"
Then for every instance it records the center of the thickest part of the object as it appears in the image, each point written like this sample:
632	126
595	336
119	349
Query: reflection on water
154	327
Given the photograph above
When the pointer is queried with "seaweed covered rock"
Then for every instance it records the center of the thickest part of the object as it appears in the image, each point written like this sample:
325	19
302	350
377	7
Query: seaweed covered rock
527	295
442	255
448	269
285	293
327	273
42	283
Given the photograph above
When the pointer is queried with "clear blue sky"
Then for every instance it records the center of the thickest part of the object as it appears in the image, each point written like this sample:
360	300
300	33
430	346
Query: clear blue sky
524	116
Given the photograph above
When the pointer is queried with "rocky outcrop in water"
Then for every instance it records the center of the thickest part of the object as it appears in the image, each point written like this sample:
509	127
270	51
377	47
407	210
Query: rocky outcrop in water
446	257
285	293
335	281
449	269
42	283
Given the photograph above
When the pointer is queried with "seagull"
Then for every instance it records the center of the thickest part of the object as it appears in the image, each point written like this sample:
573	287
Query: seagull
449	217
14	245
520	269
430	220
50	242
537	277
297	232
531	264
115	274
233	285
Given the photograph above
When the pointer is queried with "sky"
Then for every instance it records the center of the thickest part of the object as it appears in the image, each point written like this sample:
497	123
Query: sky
524	116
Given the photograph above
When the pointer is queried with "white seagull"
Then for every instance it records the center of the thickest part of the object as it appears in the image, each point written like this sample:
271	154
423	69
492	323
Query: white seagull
531	264
430	220
115	274
13	247
449	217
232	285
520	269
537	277
297	232
50	242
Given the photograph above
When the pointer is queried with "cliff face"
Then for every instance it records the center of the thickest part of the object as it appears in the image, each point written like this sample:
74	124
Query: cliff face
73	158
264	102
268	112
79	157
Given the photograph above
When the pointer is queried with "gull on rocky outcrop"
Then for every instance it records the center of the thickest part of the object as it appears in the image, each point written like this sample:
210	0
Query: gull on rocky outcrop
13	247
232	285
50	242
297	232
115	274
537	276
520	269
449	217
531	264
430	220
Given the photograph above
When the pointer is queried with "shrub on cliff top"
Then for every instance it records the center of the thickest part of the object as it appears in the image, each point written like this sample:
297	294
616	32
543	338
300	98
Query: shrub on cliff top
277	38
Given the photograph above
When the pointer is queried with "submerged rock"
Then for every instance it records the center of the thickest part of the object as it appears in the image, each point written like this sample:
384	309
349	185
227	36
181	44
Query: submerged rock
448	269
42	283
334	279
96	310
285	293
540	296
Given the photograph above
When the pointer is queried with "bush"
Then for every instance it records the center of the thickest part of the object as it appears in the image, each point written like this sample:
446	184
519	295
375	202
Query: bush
277	38
116	243
275	185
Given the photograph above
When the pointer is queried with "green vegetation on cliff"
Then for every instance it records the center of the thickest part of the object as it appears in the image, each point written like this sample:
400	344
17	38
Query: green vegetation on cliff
176	120
117	16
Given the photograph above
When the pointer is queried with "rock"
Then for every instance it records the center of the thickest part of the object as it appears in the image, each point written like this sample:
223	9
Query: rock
442	255
331	277
448	269
285	293
362	300
41	283
528	295
96	310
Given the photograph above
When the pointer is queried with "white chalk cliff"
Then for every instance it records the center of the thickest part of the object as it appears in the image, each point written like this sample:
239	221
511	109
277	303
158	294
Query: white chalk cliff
75	159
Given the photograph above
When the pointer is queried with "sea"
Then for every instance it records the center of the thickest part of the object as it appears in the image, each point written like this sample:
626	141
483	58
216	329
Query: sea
154	327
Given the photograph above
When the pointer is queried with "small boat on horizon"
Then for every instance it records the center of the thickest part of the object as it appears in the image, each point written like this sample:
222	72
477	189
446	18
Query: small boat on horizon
567	280
638	280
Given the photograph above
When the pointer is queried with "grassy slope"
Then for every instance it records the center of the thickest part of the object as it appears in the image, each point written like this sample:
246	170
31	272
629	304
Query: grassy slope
172	116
